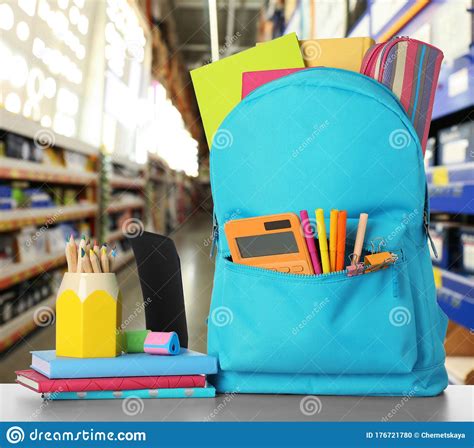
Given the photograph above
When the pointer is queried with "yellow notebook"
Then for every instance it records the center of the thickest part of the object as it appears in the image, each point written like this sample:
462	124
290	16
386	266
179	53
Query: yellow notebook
346	53
218	86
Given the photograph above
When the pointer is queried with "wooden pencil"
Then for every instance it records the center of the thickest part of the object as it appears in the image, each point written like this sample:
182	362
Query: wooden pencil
67	251
82	246
86	262
94	262
104	260
73	253
96	248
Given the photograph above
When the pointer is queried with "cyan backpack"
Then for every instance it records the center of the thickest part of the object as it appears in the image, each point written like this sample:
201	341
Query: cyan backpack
331	139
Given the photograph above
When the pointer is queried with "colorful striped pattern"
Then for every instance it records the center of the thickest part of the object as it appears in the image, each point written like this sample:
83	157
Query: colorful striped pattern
410	69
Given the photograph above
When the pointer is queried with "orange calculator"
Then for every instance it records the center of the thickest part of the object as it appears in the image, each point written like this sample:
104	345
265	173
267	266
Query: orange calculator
272	242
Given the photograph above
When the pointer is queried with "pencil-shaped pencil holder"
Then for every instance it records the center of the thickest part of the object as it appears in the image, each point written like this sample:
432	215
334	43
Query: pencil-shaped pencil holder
88	316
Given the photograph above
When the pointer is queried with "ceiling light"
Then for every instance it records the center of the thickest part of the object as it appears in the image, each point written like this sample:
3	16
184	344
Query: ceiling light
38	47
74	15
43	9
46	121
67	101
83	25
64	125
22	31
35	85
81	52
49	87
5	57
13	103
29	6
6	17
18	71
31	110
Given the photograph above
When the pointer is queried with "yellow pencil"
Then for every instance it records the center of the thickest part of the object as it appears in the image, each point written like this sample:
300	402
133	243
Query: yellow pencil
333	239
323	241
104	260
94	262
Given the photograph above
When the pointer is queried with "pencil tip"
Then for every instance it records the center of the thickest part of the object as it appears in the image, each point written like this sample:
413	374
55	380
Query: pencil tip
83	252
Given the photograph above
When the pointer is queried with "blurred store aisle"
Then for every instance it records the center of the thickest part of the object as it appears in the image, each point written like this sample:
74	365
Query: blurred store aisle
192	240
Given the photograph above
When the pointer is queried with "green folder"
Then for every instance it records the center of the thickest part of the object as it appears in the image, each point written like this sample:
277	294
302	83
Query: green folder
218	86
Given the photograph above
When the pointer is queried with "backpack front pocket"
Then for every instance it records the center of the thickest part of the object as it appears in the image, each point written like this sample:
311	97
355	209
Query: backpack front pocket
264	321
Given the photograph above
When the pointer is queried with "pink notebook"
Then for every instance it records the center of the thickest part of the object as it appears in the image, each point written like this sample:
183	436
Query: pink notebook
39	383
252	80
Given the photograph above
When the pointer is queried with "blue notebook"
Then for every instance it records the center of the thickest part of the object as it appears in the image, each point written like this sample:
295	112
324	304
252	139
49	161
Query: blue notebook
193	392
130	364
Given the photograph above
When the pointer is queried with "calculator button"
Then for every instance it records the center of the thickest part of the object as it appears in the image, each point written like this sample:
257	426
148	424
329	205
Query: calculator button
298	268
284	269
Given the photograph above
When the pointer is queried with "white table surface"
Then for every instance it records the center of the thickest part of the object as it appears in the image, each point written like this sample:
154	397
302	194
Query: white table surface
455	404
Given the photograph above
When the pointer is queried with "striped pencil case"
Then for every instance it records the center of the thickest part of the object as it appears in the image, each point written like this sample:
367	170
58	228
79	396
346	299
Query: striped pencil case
410	69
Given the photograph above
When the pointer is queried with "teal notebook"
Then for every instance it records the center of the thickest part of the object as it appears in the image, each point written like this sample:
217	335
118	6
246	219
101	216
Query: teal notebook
192	392
130	364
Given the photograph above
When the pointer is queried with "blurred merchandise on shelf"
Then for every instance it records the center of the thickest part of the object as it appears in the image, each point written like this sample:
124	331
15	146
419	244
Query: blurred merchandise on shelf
6	200
456	144
430	153
445	236
7	250
19	147
31	243
467	249
19	298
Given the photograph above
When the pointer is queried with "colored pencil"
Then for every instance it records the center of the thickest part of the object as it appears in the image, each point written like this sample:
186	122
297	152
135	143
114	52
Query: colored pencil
94	262
73	253
82	245
104	260
86	266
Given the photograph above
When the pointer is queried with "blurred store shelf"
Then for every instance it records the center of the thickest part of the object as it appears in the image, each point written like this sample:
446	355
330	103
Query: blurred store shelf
19	272
15	219
23	324
456	296
20	125
21	169
117	181
117	206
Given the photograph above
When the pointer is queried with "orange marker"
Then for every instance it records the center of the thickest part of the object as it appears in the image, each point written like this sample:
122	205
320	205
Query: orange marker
341	240
333	239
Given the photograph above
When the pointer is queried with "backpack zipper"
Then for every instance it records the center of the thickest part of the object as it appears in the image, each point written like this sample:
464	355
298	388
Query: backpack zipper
426	224
314	277
214	234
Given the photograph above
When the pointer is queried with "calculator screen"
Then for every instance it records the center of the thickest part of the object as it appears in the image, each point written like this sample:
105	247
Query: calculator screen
269	244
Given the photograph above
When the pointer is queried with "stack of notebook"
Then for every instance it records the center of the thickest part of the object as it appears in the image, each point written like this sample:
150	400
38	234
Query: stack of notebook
130	375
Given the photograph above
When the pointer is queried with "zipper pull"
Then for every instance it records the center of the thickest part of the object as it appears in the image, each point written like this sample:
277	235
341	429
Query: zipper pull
214	236
427	230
